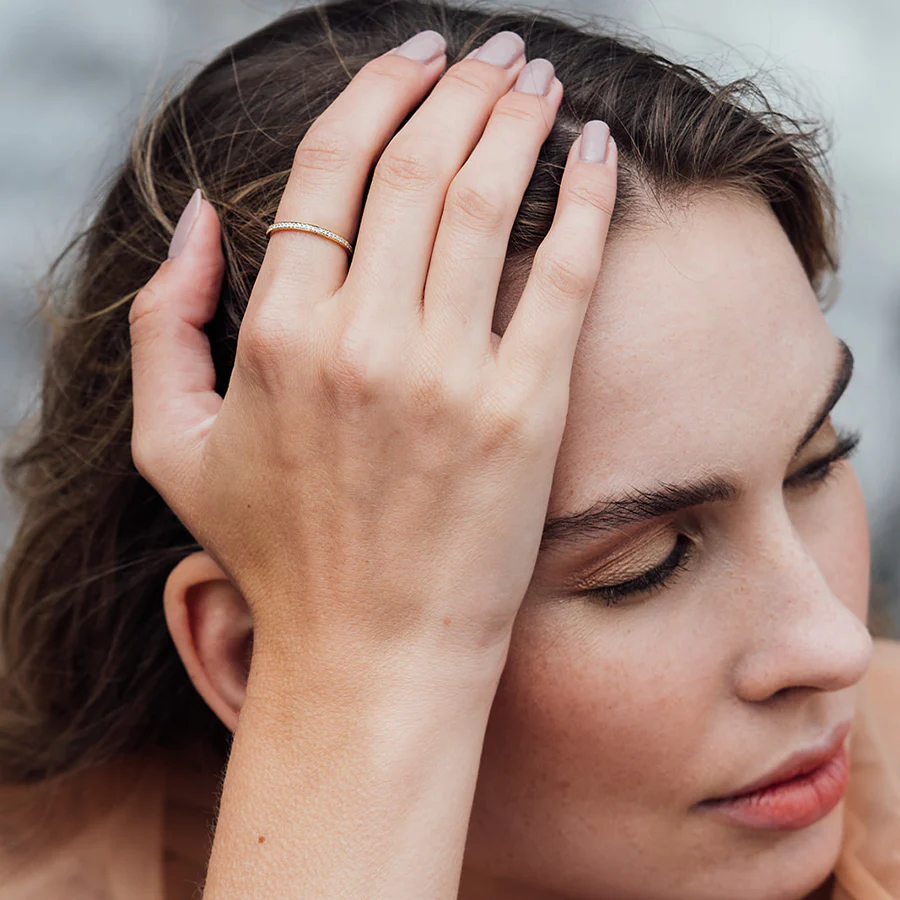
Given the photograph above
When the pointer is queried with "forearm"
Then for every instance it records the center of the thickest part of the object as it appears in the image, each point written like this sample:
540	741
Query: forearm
346	786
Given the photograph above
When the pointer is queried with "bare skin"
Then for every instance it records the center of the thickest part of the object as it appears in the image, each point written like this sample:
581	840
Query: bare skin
703	351
609	724
588	734
366	410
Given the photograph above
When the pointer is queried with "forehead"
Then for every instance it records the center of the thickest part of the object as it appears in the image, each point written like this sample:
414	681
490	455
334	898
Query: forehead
703	350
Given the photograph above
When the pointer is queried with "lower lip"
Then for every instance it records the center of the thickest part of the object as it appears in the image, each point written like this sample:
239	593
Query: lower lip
792	804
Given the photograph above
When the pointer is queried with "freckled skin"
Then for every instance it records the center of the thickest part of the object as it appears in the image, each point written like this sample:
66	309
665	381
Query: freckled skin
703	351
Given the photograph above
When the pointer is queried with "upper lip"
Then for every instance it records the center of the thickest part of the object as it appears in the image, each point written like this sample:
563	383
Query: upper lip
800	763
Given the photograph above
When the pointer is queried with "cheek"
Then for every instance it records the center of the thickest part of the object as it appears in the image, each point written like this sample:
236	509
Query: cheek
595	725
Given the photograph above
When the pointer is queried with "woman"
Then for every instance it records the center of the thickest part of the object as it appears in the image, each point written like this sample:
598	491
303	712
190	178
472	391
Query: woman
521	558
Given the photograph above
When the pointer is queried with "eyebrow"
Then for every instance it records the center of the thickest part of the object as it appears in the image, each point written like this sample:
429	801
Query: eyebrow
838	386
636	506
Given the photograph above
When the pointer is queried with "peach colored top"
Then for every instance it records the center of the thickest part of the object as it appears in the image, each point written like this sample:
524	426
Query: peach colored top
138	829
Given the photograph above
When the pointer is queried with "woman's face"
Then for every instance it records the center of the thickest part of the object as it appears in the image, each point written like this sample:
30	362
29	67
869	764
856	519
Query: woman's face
704	362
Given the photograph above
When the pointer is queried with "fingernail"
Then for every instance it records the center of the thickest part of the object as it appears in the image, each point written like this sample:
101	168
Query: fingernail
185	224
535	78
422	47
503	49
594	141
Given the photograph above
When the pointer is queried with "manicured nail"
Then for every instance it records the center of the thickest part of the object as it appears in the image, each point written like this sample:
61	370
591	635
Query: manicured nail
594	141
185	224
536	77
422	47
503	49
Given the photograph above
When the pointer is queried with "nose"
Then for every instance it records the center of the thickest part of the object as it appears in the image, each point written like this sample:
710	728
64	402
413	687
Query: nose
810	638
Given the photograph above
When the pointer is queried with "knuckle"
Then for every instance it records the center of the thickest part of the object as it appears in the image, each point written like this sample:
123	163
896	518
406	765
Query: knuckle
531	418
518	107
509	429
437	390
476	208
389	68
144	455
356	372
594	195
471	80
428	392
324	150
404	169
264	349
142	310
562	276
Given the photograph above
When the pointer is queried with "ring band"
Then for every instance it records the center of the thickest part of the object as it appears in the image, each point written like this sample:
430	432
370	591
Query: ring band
313	229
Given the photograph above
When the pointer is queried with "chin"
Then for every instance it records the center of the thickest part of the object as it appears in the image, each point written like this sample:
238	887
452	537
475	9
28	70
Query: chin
787	866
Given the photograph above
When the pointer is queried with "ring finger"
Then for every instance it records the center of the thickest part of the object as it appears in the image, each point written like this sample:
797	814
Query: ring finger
333	162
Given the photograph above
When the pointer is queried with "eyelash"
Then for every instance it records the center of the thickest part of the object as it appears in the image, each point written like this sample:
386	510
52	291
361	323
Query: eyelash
820	470
654	579
661	576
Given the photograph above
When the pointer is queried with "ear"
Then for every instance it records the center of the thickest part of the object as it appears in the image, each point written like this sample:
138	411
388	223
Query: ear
212	628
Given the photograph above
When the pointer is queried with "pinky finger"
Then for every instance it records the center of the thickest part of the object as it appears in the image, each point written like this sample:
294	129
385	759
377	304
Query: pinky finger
539	343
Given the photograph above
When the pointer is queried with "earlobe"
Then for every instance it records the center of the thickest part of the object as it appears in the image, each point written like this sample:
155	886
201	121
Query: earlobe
212	628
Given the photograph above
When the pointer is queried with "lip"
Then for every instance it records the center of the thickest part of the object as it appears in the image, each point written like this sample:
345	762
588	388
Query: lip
800	791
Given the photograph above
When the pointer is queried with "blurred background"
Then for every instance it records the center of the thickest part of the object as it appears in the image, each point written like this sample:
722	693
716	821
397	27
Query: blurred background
73	77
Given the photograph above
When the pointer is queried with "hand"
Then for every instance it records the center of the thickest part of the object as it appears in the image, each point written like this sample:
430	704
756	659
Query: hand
377	476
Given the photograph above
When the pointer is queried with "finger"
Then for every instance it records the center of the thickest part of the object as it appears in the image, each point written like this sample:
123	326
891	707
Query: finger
481	206
539	344
409	185
332	165
173	375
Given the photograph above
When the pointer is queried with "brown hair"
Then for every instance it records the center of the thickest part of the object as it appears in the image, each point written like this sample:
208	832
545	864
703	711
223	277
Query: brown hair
90	671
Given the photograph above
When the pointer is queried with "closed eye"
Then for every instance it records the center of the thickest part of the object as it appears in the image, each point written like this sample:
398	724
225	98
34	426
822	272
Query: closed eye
658	577
817	470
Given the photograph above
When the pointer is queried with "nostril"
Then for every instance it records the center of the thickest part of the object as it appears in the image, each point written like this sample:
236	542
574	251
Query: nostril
794	693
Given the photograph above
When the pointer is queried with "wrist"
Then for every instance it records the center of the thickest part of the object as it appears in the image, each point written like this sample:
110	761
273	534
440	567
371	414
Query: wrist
347	671
359	774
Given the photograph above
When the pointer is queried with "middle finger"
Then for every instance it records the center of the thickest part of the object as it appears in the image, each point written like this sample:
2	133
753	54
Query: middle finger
406	198
481	206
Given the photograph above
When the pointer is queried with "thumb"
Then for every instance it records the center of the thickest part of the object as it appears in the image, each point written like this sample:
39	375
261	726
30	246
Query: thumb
173	377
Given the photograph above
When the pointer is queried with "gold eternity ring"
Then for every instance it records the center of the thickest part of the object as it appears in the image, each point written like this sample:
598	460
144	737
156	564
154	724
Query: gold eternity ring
313	229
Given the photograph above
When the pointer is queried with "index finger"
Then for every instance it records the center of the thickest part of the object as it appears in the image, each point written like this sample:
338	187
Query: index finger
332	163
